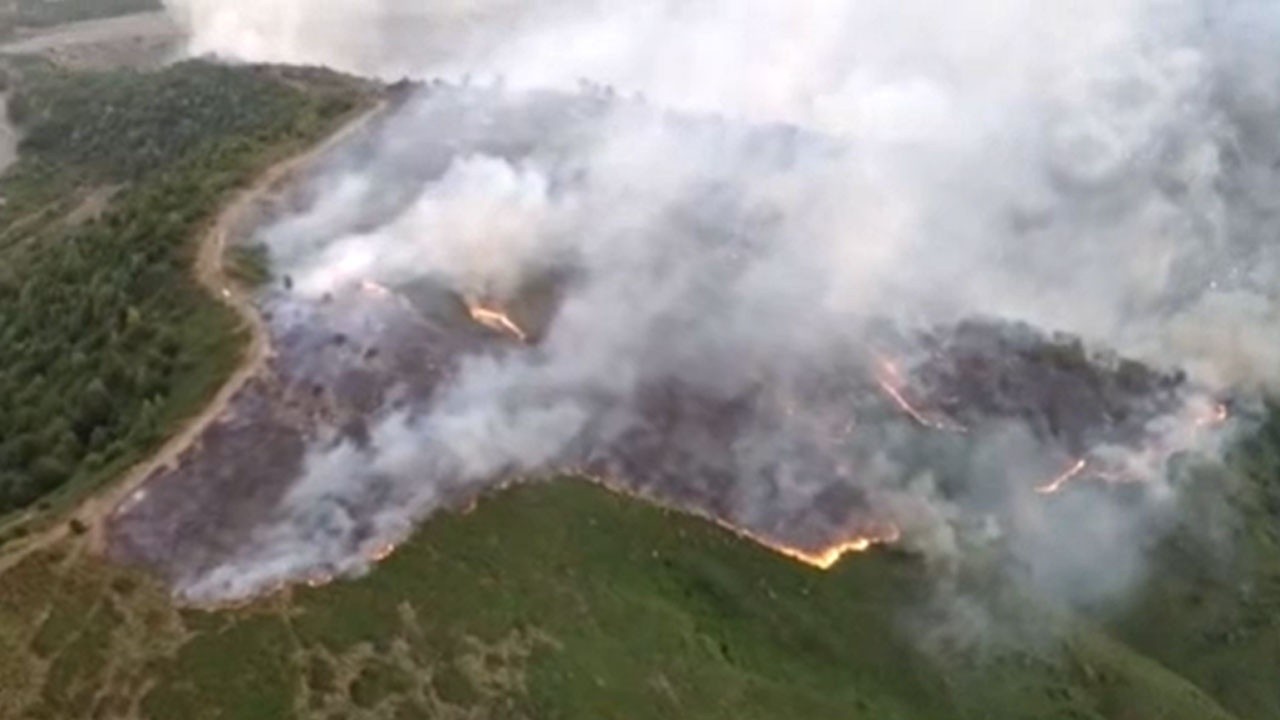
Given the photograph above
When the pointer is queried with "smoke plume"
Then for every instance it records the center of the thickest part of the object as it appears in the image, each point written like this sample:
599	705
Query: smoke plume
747	211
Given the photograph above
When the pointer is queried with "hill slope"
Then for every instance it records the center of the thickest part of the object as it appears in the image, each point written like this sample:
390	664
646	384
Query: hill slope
559	601
556	600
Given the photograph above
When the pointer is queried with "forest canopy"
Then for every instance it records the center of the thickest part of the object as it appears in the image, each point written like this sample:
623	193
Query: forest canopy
106	339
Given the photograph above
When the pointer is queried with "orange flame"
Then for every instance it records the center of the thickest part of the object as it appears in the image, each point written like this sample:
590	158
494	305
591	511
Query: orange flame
827	558
890	379
1148	456
885	533
497	320
1055	486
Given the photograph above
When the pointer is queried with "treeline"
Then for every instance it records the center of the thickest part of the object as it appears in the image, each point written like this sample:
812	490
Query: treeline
105	337
122	125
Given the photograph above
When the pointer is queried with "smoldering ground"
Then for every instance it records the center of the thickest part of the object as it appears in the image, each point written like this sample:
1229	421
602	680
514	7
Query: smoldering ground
753	281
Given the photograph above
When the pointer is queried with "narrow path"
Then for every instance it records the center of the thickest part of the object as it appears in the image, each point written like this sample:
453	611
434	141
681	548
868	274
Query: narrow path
210	271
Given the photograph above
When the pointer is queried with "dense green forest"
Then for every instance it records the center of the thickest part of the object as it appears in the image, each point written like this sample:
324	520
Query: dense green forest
105	337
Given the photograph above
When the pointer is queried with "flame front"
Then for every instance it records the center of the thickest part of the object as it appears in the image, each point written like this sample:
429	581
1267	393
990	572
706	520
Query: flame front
1055	486
890	379
497	320
880	534
1141	466
827	558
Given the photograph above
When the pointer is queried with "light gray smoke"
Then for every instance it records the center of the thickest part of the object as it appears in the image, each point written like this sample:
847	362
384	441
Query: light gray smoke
795	174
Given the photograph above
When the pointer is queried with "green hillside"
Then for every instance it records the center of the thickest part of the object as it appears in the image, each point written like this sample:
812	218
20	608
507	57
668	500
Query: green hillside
1211	609
562	600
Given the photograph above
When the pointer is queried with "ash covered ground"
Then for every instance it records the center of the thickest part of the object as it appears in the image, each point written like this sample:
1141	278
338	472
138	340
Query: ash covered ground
667	373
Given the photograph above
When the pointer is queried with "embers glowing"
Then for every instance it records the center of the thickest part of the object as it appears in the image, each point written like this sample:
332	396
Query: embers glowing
498	321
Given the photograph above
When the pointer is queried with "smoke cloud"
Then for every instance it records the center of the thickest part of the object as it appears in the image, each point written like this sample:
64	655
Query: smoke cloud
737	204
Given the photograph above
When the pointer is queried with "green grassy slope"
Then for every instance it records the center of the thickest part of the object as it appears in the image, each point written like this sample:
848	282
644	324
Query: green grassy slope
1211	610
557	601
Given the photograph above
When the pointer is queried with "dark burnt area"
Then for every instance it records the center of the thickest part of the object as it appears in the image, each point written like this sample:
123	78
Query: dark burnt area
788	460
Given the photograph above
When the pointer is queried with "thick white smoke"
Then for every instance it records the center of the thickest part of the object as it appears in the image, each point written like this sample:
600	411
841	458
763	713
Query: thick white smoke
892	69
968	117
1100	167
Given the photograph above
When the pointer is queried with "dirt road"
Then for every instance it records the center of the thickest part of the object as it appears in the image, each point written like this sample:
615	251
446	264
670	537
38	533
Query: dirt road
210	271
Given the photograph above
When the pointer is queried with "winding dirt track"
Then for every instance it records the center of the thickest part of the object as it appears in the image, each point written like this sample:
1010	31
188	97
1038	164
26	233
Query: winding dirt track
210	271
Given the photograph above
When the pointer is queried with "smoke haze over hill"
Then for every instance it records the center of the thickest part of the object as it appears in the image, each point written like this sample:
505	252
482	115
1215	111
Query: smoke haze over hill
781	183
1091	168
